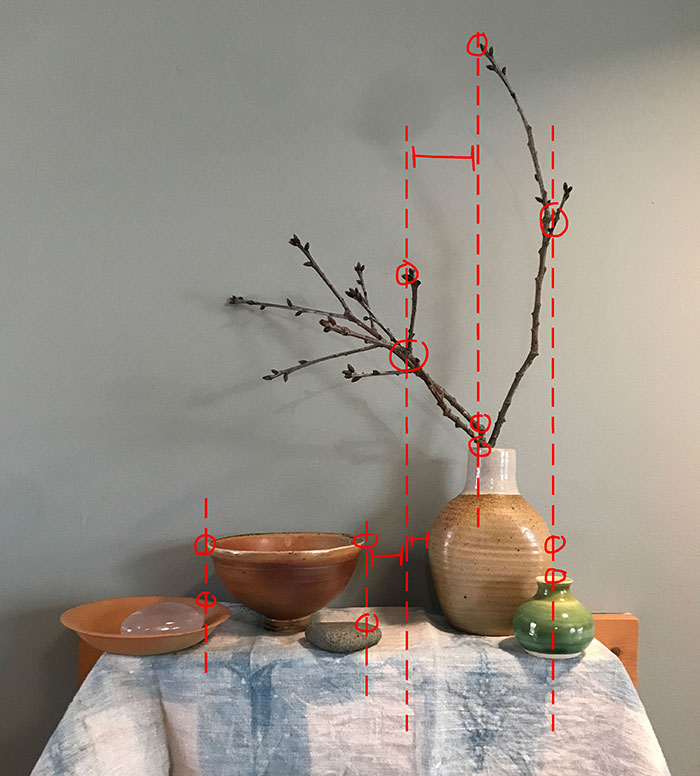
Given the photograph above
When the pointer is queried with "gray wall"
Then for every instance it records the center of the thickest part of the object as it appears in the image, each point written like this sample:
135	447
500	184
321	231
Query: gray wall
157	156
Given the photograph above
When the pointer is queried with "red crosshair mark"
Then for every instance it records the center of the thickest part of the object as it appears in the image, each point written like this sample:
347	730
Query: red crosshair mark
208	543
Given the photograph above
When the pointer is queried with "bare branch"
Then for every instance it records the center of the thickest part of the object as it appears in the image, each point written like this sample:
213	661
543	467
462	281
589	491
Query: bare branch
501	73
414	306
329	324
377	336
360	270
354	376
533	352
296	309
284	373
356	294
549	222
311	262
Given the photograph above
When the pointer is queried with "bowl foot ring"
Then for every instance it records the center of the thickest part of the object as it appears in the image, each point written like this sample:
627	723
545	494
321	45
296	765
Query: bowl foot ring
286	626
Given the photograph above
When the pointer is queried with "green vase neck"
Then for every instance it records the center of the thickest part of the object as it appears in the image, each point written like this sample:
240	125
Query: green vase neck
558	590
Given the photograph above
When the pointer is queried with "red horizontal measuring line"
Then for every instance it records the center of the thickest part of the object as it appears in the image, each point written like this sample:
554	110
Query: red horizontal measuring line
439	156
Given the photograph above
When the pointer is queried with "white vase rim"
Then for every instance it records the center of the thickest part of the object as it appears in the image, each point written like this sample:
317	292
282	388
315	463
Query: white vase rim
494	473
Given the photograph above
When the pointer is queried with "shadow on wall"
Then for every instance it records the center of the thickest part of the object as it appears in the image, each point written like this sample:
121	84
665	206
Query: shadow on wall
389	98
428	495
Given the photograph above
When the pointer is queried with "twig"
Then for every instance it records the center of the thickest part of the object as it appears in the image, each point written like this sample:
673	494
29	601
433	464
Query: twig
414	308
549	222
351	374
360	270
284	373
296	309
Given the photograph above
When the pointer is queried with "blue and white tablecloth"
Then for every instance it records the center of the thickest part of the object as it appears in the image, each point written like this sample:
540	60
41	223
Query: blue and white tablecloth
275	706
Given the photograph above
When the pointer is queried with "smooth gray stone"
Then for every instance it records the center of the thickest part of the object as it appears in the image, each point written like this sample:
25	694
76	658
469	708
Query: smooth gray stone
340	636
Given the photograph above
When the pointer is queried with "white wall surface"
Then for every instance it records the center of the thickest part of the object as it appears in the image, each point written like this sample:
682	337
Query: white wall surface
157	156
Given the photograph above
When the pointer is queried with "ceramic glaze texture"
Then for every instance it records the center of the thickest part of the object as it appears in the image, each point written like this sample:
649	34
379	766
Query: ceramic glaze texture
483	574
572	625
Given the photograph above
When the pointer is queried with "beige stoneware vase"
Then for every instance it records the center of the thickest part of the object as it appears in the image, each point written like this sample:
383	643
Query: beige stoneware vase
483	572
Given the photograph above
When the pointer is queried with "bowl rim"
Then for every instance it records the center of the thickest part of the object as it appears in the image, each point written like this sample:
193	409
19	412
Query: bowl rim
217	619
277	553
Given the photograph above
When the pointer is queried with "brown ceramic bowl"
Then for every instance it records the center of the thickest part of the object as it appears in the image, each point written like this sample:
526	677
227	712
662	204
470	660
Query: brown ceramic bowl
285	576
99	623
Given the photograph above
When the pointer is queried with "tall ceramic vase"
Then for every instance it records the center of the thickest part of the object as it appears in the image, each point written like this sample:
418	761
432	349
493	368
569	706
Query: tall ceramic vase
486	548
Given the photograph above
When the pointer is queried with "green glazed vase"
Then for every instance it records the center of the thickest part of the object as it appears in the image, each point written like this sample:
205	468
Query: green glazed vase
572	624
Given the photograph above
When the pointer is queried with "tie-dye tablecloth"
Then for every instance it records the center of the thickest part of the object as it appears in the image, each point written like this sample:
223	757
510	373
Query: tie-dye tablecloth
275	706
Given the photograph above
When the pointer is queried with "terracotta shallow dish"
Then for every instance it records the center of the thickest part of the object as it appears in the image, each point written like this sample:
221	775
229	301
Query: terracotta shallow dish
286	577
99	624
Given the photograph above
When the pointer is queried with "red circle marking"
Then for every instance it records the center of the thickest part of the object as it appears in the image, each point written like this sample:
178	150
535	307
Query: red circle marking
406	369
552	234
478	37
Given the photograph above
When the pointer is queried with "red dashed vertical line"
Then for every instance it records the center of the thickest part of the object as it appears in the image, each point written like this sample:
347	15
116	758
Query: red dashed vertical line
407	316
206	594
477	219
552	378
